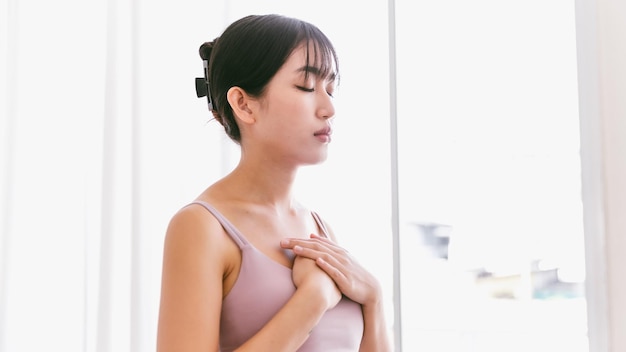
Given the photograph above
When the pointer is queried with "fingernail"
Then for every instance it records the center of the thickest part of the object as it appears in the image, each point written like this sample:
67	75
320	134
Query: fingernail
284	242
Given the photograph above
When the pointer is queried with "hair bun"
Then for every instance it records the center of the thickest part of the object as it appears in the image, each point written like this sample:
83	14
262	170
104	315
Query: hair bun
206	49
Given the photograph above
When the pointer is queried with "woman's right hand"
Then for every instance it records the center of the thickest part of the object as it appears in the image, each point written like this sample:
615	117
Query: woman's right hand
307	275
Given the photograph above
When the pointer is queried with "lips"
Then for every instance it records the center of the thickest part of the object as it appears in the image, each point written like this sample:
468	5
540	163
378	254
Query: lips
326	131
323	135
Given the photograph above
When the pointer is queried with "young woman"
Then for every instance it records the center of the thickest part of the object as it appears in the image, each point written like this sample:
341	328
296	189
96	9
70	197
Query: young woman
246	267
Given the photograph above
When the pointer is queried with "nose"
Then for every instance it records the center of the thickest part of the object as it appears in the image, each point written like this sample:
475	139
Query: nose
326	107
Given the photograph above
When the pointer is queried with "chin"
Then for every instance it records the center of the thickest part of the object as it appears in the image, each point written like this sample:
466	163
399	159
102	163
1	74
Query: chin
318	159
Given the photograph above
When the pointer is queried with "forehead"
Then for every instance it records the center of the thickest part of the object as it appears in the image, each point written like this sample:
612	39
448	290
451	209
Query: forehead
312	58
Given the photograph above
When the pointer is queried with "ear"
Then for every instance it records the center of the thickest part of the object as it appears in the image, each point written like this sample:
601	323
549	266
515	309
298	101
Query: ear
241	104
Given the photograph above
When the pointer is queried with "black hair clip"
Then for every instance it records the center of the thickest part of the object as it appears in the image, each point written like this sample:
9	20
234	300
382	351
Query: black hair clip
202	86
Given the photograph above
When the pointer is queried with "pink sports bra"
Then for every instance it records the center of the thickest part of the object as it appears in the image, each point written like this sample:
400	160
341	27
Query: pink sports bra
263	287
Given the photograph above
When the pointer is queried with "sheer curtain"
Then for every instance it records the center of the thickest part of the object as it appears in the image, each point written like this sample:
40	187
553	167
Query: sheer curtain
99	123
103	139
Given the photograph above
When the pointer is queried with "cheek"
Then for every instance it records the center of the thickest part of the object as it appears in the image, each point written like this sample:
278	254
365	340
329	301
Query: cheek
288	106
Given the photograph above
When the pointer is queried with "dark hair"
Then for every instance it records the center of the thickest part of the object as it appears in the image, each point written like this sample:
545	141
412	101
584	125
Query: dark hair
249	53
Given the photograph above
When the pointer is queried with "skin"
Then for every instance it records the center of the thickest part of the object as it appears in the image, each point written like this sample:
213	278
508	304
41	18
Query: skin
201	262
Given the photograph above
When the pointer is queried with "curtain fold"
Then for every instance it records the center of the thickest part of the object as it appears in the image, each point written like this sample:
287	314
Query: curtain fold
68	227
115	242
102	140
7	125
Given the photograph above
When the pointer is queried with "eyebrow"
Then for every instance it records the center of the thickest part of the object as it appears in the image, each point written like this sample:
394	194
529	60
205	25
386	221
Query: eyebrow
316	71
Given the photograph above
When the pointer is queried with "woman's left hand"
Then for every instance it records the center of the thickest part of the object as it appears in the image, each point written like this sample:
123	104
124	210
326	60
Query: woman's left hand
352	279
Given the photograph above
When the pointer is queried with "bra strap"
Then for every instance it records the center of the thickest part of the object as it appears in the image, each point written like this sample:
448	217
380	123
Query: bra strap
321	224
227	225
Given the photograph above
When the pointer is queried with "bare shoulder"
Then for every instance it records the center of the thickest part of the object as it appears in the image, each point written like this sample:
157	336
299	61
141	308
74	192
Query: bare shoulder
191	219
195	258
195	240
194	227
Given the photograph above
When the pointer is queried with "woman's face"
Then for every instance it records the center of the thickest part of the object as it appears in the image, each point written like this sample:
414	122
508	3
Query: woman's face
293	123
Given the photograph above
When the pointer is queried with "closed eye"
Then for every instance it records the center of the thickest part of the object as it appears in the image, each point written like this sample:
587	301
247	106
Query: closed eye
311	90
305	89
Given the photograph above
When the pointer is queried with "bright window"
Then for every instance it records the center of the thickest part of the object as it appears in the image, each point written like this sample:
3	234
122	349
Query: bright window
491	232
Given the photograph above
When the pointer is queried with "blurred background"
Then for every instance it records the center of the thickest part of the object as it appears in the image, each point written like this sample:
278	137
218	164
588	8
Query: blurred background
461	158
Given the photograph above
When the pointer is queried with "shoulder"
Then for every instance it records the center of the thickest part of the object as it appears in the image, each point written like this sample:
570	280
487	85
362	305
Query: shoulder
192	221
195	260
194	233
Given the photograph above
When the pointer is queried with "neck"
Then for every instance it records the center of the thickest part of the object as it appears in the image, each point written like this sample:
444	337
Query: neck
264	182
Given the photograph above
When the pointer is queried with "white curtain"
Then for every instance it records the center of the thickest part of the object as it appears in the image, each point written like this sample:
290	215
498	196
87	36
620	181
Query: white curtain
99	122
102	140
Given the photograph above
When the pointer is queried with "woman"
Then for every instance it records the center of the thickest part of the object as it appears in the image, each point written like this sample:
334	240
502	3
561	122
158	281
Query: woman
246	267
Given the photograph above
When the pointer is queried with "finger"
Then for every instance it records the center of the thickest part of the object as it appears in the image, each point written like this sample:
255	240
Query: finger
290	243
329	257
336	261
335	257
323	239
337	275
330	252
307	252
318	243
312	236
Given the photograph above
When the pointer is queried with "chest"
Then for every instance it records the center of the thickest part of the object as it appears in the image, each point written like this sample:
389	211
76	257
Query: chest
265	231
263	287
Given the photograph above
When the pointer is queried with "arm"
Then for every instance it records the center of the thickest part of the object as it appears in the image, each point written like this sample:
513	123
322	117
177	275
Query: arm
191	284
195	262
375	336
354	281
